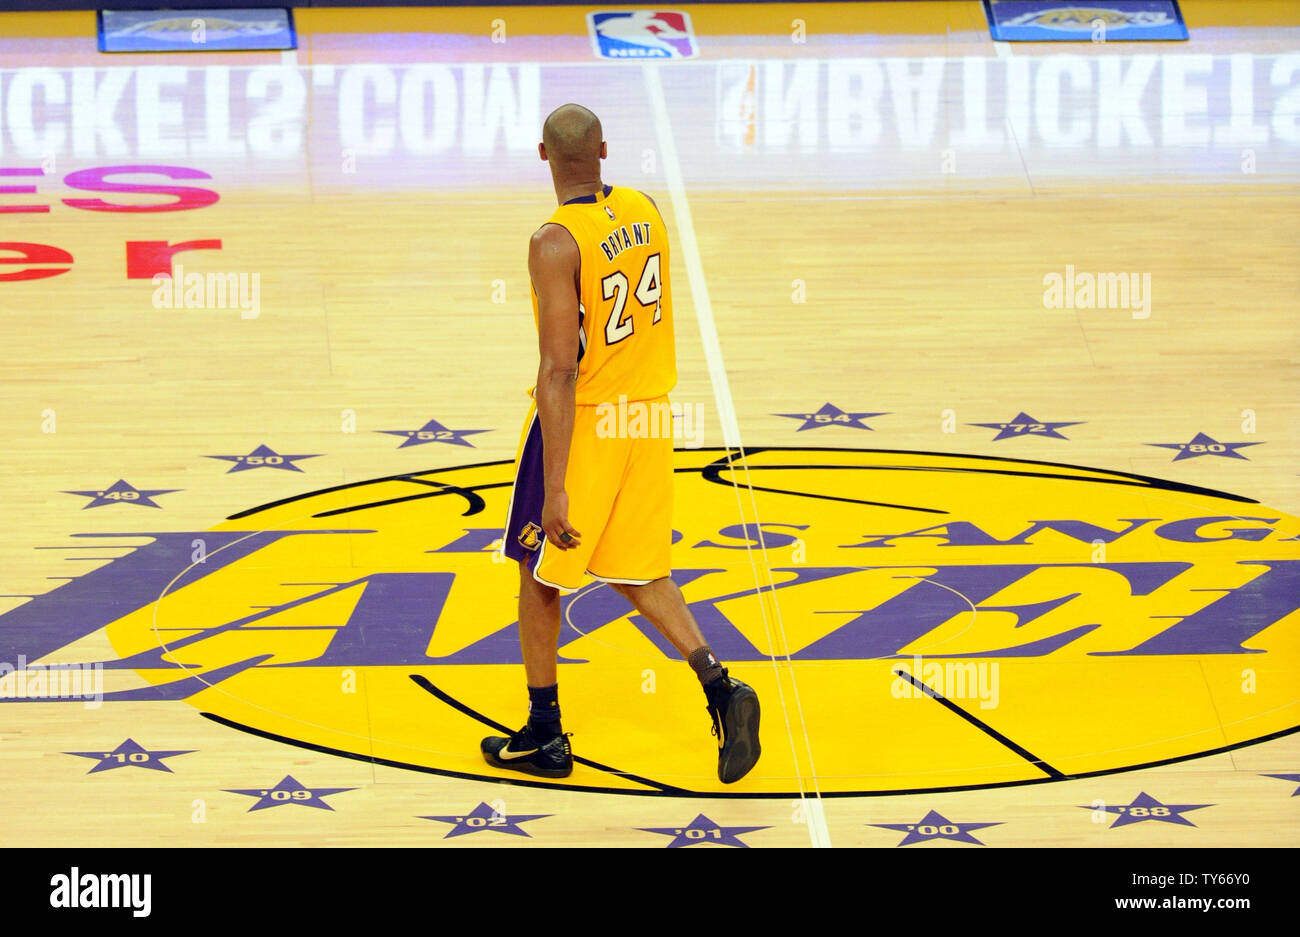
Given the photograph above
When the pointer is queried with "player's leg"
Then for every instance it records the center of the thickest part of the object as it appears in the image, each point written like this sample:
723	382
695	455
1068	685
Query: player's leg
661	602
733	705
595	468
635	557
539	628
540	747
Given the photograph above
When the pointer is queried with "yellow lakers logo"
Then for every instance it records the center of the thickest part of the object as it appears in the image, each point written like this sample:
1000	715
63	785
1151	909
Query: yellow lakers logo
530	536
945	621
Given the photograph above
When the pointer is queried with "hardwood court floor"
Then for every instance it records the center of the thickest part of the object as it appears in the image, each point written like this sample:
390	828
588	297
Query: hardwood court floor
879	256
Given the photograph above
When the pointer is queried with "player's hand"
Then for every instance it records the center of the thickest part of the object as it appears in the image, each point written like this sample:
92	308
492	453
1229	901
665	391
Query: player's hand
555	522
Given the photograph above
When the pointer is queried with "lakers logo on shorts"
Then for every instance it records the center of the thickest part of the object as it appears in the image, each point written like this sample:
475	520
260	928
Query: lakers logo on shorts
530	538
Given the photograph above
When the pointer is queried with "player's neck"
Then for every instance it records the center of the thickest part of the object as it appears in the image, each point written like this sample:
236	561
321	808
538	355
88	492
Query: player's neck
570	190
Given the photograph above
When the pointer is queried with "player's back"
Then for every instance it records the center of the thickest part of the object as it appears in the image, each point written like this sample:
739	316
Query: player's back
626	348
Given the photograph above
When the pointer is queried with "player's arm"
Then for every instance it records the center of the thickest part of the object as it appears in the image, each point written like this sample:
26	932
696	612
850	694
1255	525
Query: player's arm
655	206
553	262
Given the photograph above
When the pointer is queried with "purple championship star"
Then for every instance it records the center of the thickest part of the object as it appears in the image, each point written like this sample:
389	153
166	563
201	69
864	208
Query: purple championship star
483	817
831	415
121	492
1202	444
935	825
433	431
290	791
1293	778
262	457
130	754
1025	425
1146	807
703	830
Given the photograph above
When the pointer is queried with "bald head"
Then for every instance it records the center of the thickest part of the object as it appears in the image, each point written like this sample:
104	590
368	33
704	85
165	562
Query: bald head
572	142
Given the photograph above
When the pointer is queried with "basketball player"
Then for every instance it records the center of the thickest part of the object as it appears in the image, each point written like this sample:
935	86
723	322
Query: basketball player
584	500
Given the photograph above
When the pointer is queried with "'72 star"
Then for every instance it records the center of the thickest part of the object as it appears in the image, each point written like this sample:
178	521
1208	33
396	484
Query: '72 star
1025	425
263	457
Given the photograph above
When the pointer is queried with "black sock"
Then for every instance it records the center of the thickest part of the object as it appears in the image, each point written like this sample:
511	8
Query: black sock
544	711
705	665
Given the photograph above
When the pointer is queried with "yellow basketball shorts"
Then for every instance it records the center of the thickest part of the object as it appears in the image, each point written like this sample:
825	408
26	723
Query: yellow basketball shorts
620	486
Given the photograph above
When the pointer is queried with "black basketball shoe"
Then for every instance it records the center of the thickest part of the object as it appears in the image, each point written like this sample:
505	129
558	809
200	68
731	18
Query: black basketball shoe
522	751
734	708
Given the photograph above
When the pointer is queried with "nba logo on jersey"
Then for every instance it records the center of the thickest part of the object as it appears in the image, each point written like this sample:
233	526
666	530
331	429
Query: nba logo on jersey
642	34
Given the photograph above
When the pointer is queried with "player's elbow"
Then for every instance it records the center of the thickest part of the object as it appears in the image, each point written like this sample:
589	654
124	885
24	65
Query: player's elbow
557	373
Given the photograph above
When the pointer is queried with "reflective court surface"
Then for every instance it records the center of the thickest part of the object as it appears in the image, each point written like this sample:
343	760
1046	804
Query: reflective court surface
986	428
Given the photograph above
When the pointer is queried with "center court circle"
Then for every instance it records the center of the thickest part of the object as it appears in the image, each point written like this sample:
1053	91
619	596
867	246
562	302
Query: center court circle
948	622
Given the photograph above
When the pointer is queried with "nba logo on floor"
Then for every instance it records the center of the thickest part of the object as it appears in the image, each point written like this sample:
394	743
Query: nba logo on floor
642	34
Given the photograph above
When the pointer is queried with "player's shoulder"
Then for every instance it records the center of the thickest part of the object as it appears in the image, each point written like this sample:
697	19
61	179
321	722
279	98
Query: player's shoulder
653	203
552	240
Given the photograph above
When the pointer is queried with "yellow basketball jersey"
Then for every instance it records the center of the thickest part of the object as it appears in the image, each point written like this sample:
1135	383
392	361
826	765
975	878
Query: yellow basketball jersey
625	308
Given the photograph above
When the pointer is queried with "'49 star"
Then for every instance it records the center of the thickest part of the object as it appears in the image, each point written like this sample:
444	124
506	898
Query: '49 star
122	492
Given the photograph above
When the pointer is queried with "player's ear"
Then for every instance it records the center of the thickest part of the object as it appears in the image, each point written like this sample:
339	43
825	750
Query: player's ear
541	151
604	150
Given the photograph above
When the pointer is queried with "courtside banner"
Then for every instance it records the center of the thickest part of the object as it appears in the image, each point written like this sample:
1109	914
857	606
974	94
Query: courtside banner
1107	21
196	30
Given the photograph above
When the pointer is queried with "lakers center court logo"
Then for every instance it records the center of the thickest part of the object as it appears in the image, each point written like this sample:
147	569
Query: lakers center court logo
947	622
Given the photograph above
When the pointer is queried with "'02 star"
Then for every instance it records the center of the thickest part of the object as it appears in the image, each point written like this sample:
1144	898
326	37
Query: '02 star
484	818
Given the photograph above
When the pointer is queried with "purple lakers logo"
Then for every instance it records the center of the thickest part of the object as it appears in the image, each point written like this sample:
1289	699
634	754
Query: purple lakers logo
642	34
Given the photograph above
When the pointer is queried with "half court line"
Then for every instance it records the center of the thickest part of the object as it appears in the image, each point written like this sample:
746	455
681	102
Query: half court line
815	814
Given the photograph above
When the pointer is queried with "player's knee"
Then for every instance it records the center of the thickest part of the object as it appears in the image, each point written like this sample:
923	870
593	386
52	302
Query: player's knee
528	583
